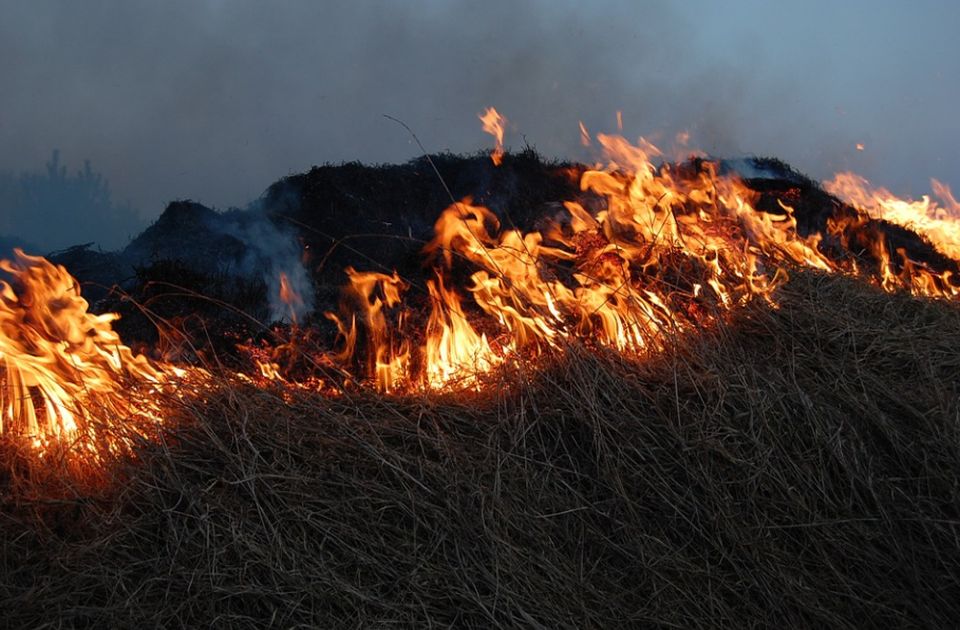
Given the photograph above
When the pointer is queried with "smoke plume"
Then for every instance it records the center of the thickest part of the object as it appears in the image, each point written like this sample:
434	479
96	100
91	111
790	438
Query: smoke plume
214	100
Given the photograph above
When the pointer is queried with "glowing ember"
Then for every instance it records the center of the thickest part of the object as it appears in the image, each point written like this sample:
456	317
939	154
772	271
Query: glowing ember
64	373
494	124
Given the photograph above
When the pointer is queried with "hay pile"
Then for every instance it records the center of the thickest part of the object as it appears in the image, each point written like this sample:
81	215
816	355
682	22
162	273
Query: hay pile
798	467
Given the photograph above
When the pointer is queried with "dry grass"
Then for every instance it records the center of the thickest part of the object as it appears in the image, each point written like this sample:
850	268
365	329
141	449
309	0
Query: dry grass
796	468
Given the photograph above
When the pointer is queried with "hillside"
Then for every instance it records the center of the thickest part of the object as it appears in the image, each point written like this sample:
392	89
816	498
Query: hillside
794	467
735	408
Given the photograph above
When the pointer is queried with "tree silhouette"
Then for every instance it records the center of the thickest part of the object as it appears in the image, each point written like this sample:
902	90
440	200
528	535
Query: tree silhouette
56	209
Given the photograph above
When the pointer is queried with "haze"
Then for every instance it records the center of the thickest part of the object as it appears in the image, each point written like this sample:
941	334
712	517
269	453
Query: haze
214	100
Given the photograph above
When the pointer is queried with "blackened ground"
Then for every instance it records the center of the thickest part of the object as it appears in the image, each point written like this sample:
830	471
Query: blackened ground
379	217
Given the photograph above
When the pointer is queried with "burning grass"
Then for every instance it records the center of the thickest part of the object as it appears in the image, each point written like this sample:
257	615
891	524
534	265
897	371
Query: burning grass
793	466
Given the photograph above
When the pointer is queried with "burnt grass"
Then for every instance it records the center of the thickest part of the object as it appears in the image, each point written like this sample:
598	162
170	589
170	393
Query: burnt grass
792	467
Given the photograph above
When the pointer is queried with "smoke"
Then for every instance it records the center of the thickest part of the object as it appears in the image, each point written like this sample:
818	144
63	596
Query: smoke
272	253
215	100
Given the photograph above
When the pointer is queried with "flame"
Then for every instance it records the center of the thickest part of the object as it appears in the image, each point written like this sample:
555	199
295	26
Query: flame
290	297
671	248
453	350
64	374
647	251
939	223
667	251
373	295
269	370
494	124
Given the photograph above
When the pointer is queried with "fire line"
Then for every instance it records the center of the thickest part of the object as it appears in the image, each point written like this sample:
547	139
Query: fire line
666	248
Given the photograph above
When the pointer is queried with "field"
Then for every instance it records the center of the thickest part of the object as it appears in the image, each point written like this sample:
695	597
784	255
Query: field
792	467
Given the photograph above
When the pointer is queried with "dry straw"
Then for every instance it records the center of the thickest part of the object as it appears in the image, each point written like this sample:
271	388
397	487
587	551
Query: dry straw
795	467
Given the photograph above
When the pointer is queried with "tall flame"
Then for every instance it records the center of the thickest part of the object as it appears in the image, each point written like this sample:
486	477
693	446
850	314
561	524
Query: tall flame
666	251
372	295
494	124
289	296
453	350
647	251
62	369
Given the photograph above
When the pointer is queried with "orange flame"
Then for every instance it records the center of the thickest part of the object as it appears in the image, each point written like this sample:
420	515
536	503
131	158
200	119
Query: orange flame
494	124
650	250
584	135
667	252
940	223
289	296
63	371
373	295
454	350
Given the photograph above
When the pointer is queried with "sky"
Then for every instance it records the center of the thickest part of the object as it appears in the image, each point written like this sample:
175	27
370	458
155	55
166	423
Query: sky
213	100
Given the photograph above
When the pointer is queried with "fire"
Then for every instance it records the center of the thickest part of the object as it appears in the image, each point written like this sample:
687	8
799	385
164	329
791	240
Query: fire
940	223
64	374
454	350
668	248
667	251
289	296
584	135
495	125
373	295
268	368
649	249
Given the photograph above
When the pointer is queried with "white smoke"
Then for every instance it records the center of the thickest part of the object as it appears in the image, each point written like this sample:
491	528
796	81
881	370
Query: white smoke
272	251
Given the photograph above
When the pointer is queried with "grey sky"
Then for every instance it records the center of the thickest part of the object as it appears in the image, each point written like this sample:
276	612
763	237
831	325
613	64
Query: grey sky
215	99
